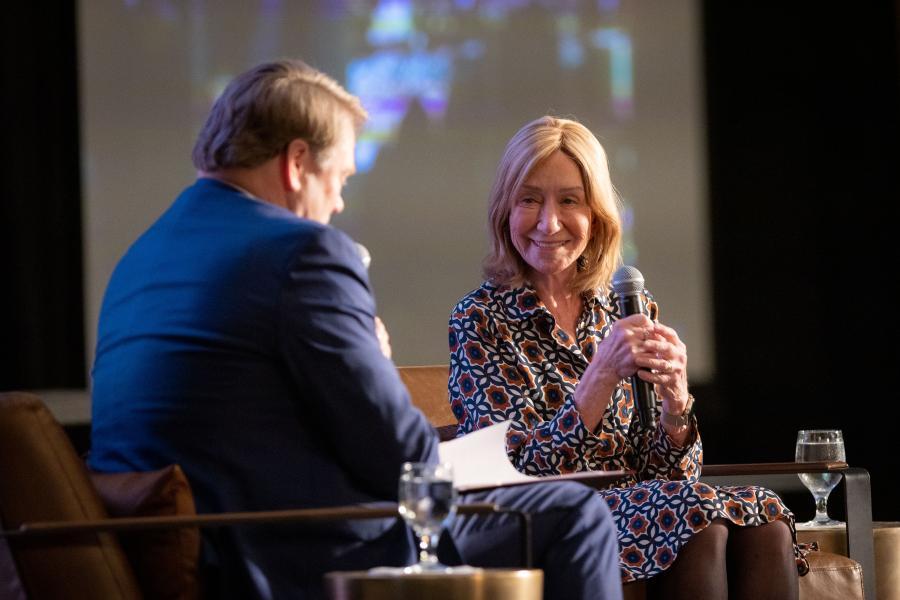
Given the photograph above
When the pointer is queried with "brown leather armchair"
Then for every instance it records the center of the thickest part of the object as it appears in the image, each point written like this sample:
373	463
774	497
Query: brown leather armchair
58	539
831	576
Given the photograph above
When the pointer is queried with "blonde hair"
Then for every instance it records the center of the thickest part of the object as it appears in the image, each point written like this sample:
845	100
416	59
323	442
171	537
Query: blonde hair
527	149
264	109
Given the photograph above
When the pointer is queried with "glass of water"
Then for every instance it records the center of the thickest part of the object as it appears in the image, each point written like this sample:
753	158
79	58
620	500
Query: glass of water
820	445
427	503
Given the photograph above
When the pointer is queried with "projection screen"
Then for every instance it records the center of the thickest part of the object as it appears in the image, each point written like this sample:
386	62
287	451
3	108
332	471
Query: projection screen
446	84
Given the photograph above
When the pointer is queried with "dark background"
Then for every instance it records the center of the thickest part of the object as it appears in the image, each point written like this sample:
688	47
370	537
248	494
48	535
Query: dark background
803	118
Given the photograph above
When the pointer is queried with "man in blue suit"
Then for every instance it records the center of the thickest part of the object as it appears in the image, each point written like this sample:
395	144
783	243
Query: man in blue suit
238	338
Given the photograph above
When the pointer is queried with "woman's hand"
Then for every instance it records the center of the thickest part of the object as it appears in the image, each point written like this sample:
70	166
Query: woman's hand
618	356
666	355
384	340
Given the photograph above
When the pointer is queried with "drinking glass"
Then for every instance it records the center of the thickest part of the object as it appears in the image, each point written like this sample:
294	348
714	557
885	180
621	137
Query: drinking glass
427	503
820	445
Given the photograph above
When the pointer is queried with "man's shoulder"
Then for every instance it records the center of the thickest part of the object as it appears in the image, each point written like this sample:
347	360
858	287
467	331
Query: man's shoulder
265	223
313	241
219	226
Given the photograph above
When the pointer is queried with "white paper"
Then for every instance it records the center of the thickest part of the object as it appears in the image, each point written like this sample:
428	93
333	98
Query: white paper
479	459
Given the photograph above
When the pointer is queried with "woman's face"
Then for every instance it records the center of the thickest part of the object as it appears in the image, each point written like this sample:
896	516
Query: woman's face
550	221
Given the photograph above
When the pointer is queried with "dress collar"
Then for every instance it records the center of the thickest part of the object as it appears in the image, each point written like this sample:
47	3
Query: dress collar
523	302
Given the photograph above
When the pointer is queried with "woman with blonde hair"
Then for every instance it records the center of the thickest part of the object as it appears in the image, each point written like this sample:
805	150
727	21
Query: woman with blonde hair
541	343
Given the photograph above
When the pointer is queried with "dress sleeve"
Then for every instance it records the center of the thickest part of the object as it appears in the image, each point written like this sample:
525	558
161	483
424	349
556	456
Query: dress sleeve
664	460
487	385
346	387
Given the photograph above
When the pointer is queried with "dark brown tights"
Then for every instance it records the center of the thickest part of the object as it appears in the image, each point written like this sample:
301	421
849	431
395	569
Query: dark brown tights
727	561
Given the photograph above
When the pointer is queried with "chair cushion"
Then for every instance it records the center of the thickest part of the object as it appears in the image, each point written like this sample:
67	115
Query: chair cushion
887	559
164	561
43	479
832	577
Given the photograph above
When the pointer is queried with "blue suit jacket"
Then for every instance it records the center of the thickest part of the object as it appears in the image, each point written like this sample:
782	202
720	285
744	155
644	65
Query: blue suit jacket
237	340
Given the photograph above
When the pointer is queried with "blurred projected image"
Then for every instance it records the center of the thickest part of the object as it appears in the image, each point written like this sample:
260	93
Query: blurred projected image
420	51
474	71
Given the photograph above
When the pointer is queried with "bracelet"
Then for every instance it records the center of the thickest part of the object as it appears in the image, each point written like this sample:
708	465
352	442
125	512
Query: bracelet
678	421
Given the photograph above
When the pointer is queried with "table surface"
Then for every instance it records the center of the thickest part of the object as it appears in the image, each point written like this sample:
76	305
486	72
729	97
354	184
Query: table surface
472	572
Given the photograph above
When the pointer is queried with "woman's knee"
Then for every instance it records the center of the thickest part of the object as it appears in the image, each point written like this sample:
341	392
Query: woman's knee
761	562
711	542
770	539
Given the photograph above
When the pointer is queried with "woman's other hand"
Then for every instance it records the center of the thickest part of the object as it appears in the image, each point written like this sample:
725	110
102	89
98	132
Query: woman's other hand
666	355
618	356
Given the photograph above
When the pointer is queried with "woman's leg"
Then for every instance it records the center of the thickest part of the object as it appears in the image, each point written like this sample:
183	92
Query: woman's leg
761	562
698	570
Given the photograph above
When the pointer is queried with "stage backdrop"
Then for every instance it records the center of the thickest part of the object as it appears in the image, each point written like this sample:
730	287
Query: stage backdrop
446	84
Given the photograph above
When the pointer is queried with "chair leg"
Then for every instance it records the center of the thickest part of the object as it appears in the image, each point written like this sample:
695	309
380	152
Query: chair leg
525	535
860	545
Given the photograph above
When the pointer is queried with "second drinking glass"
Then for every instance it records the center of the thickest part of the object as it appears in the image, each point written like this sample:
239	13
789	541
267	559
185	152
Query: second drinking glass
427	503
820	445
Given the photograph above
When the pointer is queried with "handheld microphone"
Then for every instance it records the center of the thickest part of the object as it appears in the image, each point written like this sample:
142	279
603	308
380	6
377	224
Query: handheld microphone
364	255
628	283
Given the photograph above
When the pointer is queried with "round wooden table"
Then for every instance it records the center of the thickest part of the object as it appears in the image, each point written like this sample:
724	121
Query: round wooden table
477	584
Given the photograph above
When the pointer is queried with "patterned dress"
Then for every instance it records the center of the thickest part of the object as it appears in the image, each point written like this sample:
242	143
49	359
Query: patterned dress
510	361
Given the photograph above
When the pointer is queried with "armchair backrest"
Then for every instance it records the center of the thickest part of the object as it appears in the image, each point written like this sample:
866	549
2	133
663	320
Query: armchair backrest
42	478
427	387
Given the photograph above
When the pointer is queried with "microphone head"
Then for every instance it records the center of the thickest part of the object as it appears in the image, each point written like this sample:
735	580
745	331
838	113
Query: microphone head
364	255
627	281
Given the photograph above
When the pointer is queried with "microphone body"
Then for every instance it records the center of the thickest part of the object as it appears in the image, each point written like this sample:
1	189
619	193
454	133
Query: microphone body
628	284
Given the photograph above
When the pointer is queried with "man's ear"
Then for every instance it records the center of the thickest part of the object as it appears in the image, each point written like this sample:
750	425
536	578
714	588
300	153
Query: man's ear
296	159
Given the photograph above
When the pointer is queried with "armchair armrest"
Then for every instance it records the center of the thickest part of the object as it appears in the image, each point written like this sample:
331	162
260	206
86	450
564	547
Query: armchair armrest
773	468
303	515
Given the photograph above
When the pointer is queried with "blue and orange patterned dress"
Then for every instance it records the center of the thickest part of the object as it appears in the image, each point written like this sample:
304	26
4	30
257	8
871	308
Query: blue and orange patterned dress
510	361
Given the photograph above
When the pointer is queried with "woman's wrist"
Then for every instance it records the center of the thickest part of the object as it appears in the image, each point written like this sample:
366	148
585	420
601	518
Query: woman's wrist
591	403
677	435
678	426
679	420
594	393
